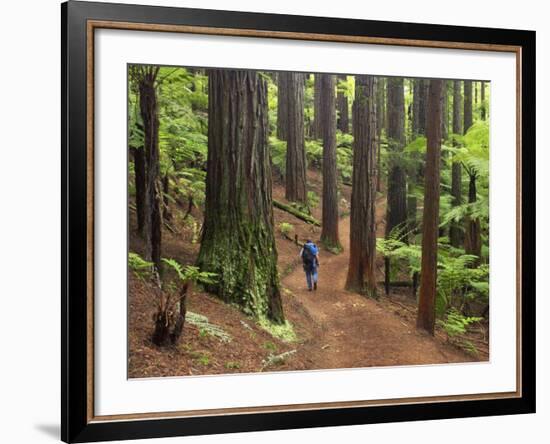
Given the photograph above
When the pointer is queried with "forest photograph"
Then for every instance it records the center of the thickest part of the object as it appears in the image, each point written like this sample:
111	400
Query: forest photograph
285	221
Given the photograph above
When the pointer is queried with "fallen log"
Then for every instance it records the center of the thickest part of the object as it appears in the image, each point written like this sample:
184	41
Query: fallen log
296	213
398	283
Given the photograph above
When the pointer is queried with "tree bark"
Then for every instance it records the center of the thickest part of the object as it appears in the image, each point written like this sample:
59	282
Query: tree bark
380	125
343	111
397	206
238	243
152	222
419	107
282	105
455	231
329	232
444	113
415	105
396	216
361	271
428	279
296	190
317	132
468	111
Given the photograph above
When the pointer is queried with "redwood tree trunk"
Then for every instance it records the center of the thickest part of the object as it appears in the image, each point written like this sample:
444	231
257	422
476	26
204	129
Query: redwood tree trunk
139	177
361	272
238	242
343	111
397	206
329	233
468	112
428	279
282	105
152	222
317	132
380	124
444	113
396	195
419	107
296	190
415	106
455	231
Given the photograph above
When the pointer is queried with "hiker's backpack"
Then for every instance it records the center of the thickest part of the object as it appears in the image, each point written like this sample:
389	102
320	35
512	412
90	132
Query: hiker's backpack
308	257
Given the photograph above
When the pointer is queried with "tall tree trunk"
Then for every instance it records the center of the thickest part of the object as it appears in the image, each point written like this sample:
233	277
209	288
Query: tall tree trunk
238	242
361	271
139	178
152	223
296	190
419	107
380	125
482	96
428	274
317	128
396	194
282	105
417	122
329	233
397	207
342	106
468	111
444	113
455	231
416	107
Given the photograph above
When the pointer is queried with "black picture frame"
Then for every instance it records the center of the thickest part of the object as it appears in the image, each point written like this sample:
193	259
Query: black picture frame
76	424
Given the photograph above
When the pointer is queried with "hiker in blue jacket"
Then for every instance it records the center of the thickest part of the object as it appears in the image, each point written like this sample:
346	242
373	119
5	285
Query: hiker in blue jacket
310	259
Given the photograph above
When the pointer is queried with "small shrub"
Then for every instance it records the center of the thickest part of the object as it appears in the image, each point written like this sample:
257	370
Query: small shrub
456	323
141	268
232	365
268	345
312	199
285	332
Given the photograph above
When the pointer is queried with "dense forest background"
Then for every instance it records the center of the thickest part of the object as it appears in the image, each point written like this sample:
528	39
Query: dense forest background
231	171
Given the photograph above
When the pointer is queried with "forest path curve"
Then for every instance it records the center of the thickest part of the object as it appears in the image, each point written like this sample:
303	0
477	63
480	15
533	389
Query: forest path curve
356	331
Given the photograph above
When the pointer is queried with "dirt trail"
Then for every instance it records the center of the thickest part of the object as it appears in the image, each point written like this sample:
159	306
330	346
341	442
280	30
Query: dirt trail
355	331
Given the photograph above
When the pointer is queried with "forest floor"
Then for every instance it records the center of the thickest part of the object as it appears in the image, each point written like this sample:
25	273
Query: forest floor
334	328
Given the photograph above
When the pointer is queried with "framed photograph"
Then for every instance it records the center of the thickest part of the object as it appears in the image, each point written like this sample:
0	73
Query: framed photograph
275	221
